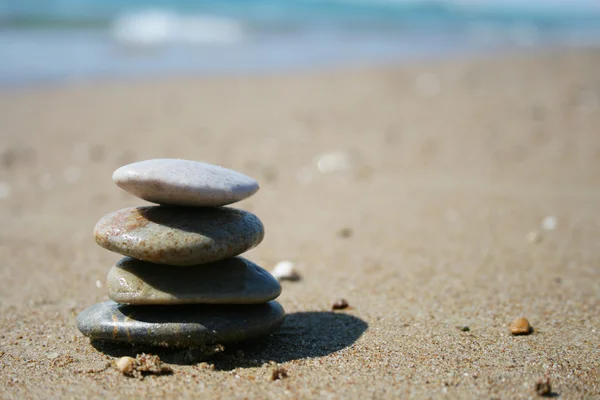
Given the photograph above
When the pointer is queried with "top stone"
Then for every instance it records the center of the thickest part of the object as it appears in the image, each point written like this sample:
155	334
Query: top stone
184	183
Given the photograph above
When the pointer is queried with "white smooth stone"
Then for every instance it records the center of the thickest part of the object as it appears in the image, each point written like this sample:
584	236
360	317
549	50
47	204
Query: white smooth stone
285	271
184	183
549	223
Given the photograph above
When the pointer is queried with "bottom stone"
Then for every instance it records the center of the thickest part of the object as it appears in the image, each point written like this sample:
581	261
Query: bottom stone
179	326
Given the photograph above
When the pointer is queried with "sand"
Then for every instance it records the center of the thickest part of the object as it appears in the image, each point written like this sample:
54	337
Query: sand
426	219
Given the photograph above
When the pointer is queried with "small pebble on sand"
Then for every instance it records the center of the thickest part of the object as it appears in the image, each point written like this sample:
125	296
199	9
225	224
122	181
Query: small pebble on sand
543	387
285	271
549	223
520	326
345	233
340	304
278	372
142	364
336	161
126	365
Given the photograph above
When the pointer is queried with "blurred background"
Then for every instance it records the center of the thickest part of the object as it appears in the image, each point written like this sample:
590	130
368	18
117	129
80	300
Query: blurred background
58	40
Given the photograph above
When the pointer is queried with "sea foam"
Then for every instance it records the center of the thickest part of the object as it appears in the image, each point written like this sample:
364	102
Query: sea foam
158	27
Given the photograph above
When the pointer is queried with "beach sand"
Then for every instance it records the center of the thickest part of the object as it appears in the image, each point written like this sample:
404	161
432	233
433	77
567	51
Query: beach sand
426	215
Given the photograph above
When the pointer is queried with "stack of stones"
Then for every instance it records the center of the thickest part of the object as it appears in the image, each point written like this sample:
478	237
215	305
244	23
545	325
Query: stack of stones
182	283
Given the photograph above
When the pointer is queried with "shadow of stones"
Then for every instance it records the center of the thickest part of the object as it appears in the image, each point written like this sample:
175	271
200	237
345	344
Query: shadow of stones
303	335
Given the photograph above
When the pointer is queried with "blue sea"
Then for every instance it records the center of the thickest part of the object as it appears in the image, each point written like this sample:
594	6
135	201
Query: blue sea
45	41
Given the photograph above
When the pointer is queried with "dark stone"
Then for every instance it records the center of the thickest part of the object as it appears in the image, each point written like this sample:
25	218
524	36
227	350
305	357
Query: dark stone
179	326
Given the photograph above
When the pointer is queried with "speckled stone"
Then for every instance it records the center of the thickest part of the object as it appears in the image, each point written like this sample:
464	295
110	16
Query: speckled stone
232	281
179	235
179	326
184	183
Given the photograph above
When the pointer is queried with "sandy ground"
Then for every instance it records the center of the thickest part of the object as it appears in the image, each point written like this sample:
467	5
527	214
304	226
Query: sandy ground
427	218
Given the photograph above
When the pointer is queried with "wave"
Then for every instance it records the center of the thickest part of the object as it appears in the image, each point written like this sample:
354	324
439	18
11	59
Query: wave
224	21
158	27
538	6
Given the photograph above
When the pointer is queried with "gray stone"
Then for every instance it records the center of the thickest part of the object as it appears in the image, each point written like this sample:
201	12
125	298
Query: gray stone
179	326
184	183
179	235
231	281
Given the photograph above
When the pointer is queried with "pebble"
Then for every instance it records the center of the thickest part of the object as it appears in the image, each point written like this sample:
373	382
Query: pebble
179	326
232	281
278	372
142	364
184	183
340	304
336	161
179	236
345	233
549	223
285	270
520	326
126	365
543	387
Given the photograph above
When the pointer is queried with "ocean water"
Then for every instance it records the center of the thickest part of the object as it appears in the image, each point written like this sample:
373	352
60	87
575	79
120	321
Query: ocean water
44	41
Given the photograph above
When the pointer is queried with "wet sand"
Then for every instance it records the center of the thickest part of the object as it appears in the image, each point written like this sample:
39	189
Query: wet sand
425	215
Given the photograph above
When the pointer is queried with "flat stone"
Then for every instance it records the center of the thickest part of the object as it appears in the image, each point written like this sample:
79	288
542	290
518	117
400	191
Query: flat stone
520	326
179	326
184	183
231	281
179	235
